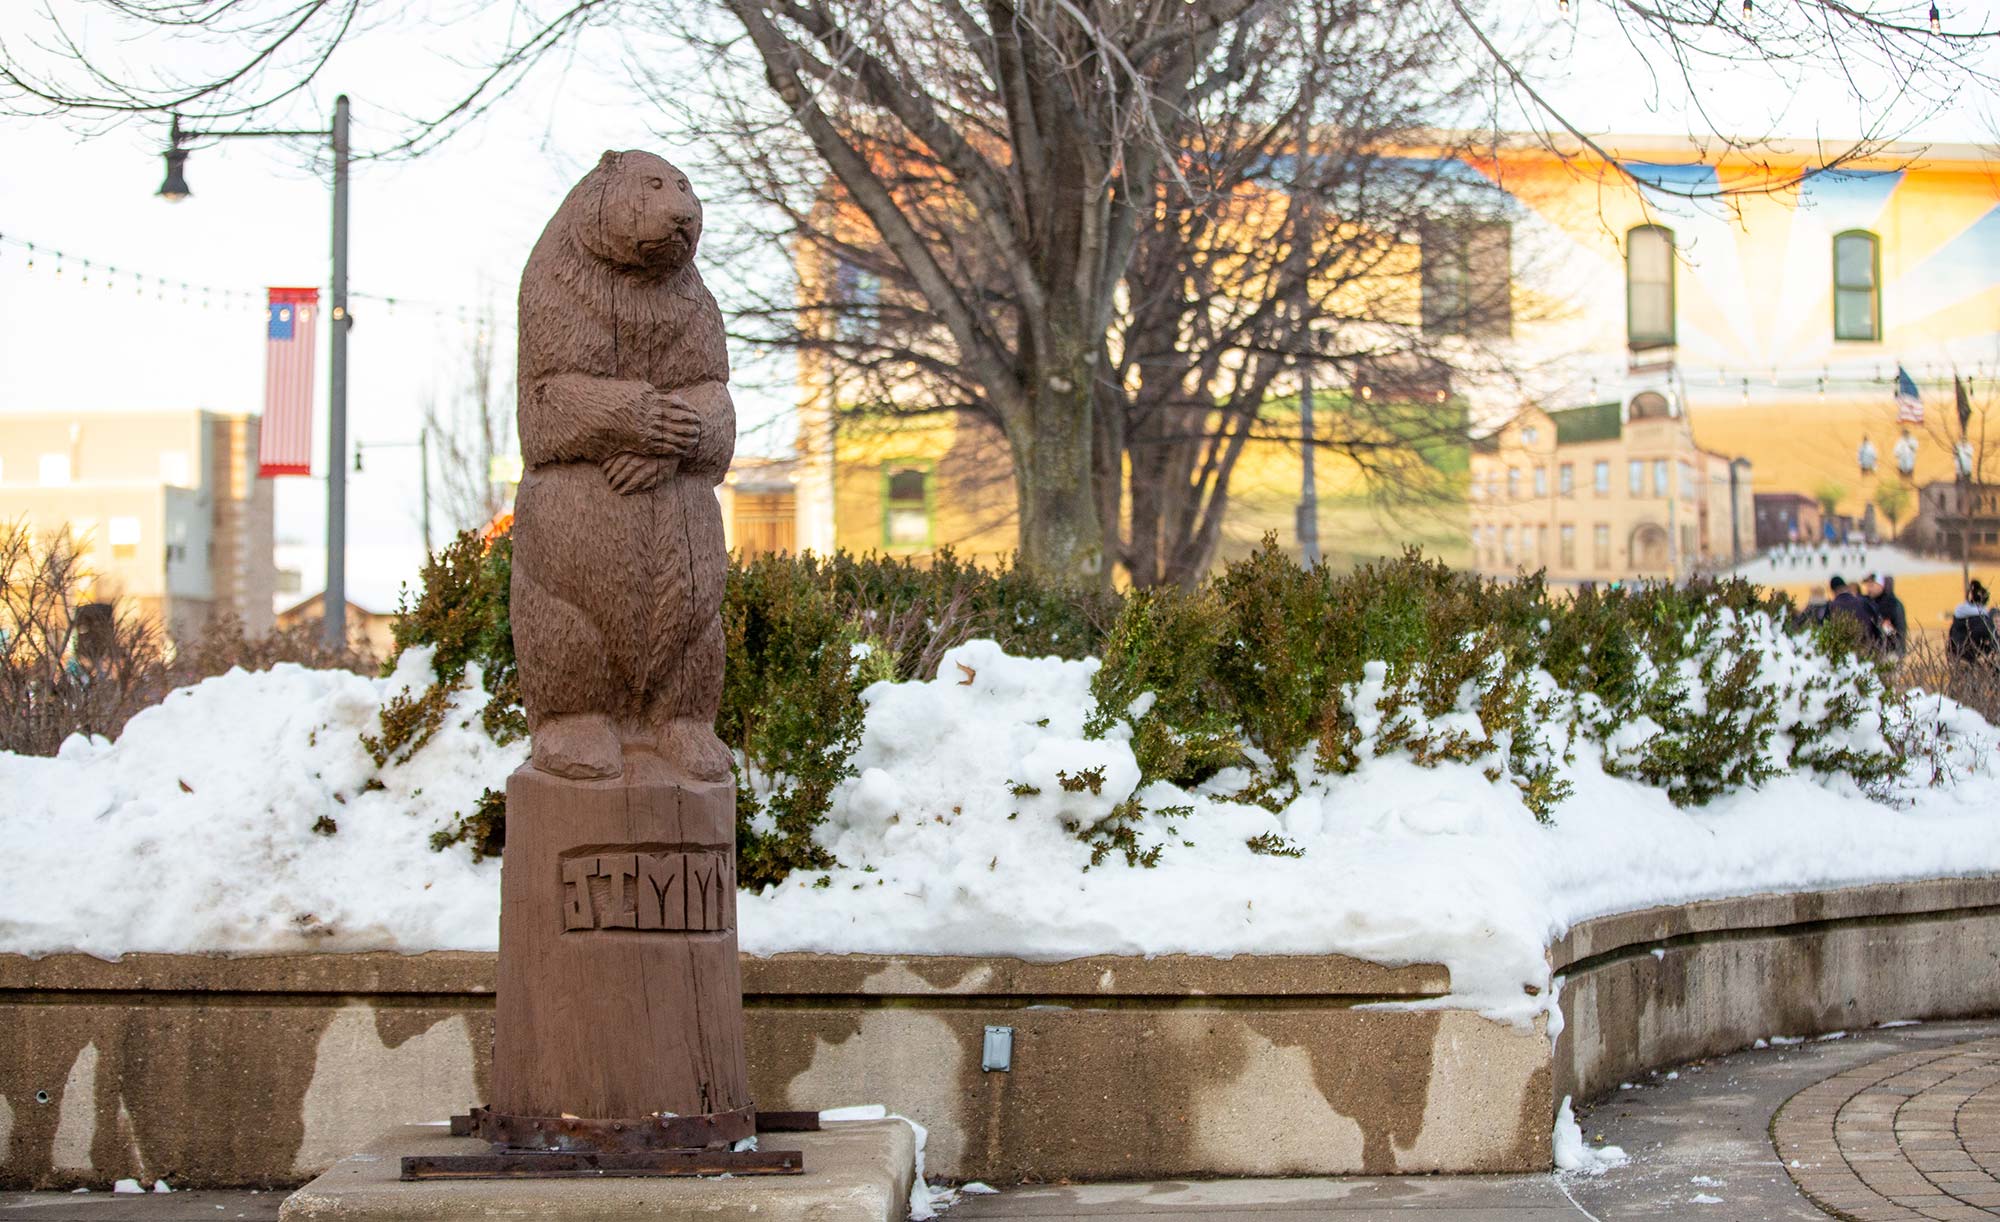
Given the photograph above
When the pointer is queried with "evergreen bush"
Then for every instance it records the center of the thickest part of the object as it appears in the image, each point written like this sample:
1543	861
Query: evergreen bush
1264	680
804	635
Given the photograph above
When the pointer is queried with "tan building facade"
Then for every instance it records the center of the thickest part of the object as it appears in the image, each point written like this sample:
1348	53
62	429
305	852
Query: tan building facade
166	508
1607	492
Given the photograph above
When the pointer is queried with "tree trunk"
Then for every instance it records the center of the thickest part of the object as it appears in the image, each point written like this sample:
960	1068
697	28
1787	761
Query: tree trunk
1062	539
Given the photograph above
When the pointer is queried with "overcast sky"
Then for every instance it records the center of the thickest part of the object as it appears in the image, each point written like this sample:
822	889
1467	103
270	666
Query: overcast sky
451	230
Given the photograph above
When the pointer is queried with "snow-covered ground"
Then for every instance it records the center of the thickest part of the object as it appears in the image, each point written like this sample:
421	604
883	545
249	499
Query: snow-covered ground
193	832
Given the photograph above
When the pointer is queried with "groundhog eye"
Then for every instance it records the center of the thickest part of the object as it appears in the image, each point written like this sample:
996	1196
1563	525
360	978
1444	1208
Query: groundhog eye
684	184
655	183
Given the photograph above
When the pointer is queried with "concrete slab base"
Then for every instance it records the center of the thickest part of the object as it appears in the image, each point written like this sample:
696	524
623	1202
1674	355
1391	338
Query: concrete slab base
856	1171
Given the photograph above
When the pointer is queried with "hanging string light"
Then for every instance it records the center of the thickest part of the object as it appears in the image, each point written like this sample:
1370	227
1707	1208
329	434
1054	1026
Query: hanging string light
1563	6
1746	10
228	298
1935	23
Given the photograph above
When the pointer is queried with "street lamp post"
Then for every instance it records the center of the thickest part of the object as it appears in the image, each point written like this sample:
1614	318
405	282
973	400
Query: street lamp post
174	189
1307	529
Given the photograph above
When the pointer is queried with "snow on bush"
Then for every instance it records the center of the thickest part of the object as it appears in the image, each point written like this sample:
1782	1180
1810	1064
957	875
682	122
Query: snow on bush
1237	775
958	835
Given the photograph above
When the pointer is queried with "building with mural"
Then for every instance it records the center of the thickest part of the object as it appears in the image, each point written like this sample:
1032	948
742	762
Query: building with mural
1774	323
1605	492
1677	349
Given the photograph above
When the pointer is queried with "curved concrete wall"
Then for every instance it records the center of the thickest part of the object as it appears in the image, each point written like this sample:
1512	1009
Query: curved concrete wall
213	1070
1668	985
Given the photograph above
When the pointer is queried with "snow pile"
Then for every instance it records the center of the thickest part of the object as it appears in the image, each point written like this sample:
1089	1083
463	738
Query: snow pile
194	831
959	835
926	1202
947	850
1572	1154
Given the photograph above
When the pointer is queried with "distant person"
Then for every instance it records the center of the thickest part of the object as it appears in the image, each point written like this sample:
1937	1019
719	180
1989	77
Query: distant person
1813	613
1972	636
1848	601
1889	609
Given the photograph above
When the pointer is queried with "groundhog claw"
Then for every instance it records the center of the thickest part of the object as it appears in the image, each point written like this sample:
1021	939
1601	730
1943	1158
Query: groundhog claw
673	426
630	472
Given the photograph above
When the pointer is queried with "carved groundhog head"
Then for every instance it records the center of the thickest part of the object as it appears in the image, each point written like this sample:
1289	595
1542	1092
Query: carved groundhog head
643	214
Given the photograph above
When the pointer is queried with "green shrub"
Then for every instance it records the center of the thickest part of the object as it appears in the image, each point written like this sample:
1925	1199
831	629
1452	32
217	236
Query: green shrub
791	711
804	637
460	610
1159	671
1408	657
1266	678
1281	656
483	832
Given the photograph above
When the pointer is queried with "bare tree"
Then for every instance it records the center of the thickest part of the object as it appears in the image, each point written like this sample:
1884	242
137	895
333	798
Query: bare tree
1284	231
469	431
68	664
75	661
1341	241
1008	159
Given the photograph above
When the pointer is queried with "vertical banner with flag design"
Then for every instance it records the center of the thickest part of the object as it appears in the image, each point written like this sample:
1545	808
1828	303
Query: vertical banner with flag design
284	442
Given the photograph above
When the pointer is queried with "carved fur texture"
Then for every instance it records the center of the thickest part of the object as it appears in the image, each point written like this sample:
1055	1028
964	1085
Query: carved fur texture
626	426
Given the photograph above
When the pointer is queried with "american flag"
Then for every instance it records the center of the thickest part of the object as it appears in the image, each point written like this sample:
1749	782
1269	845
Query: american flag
1909	404
284	443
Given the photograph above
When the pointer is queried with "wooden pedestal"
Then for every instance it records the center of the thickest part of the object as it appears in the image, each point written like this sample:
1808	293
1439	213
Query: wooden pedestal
620	1003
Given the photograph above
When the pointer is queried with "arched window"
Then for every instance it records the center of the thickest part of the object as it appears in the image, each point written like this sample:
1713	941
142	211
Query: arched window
1649	287
1857	286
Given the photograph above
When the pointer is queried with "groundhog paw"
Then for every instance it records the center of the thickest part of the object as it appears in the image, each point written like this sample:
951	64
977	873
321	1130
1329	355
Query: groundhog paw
691	747
580	746
629	472
673	426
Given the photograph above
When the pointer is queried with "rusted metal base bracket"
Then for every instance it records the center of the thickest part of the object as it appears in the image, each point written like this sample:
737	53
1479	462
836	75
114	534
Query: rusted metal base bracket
558	1164
788	1122
626	1135
618	1149
767	1122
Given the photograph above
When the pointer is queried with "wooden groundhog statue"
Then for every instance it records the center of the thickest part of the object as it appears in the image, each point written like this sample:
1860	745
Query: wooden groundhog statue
626	426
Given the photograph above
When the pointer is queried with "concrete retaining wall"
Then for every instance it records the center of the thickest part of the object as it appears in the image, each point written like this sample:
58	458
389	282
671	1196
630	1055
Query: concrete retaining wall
264	1070
213	1070
1668	985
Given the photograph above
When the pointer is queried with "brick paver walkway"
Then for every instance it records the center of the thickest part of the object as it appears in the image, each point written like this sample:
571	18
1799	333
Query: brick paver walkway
1910	1136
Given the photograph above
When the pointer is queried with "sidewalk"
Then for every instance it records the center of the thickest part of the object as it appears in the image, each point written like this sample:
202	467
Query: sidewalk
1699	1137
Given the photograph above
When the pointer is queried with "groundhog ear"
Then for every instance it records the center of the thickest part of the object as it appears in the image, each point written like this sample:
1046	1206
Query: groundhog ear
609	159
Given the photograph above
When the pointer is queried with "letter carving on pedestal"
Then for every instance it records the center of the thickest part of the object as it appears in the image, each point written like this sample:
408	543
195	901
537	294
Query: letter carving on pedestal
664	892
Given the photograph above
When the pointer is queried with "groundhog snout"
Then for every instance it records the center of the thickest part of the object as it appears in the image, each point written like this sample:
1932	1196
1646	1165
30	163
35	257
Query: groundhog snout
674	224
